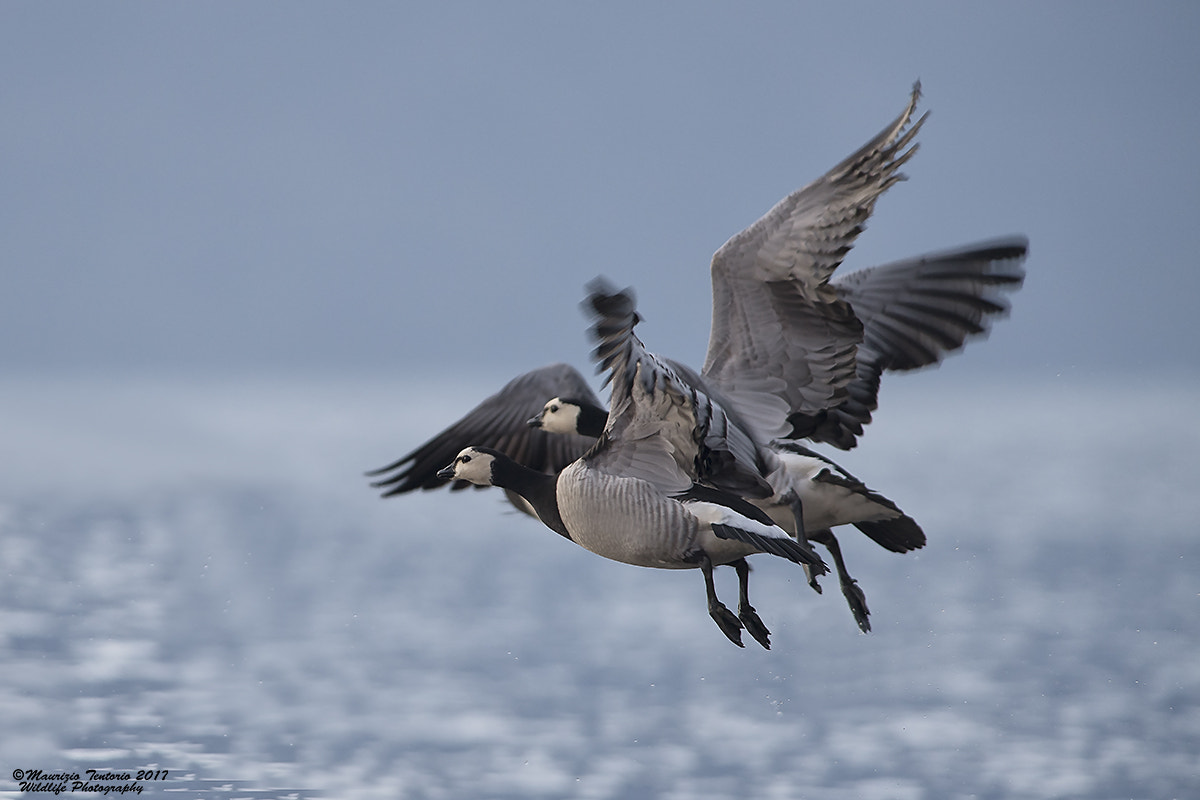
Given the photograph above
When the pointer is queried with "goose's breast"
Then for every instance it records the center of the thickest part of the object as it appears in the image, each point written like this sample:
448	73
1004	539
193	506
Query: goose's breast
625	519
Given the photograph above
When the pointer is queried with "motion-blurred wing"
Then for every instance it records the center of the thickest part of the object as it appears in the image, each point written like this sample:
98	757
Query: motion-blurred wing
662	426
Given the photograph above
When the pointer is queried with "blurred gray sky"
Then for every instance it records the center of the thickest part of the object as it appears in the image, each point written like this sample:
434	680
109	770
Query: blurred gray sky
379	188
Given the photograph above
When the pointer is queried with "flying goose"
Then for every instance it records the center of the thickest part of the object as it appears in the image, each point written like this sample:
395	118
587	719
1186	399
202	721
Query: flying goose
829	497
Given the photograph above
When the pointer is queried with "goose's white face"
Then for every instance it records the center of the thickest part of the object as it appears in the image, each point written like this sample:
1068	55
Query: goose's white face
472	465
559	416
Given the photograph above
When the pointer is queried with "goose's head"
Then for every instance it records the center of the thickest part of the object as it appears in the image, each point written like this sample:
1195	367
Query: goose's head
558	416
472	464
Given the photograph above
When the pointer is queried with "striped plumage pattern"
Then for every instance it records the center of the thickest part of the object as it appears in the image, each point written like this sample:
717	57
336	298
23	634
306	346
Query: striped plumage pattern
777	324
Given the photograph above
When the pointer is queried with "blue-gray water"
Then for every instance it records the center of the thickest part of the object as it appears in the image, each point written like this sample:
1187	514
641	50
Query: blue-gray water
195	577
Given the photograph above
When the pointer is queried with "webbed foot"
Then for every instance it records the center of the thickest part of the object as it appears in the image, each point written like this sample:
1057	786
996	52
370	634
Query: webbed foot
812	580
727	622
858	604
754	626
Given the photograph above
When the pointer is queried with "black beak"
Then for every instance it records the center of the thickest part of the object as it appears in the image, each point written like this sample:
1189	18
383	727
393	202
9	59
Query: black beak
446	473
534	422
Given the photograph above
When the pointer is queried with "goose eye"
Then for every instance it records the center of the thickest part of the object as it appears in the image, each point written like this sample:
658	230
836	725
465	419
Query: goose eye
463	459
553	409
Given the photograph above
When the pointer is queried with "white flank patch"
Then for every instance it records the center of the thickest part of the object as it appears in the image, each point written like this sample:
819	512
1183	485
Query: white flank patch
715	513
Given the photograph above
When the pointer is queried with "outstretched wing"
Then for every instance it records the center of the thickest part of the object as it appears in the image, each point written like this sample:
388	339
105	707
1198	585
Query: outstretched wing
914	313
778	326
499	422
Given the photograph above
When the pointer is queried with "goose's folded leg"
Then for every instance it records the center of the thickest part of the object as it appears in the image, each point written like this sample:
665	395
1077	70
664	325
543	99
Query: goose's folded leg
746	613
792	499
850	589
721	615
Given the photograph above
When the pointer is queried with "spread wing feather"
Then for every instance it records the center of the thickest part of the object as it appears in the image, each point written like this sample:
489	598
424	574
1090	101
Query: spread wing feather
914	313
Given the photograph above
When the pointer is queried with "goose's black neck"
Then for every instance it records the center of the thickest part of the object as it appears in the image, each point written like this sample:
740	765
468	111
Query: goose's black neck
592	420
539	490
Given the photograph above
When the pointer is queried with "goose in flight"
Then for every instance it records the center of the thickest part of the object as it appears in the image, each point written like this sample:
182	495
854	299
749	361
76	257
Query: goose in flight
829	497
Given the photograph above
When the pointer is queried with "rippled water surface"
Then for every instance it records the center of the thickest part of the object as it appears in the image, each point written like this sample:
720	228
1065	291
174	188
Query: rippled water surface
195	577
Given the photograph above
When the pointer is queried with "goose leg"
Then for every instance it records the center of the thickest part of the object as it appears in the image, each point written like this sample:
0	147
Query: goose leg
792	499
721	615
746	613
854	595
812	580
